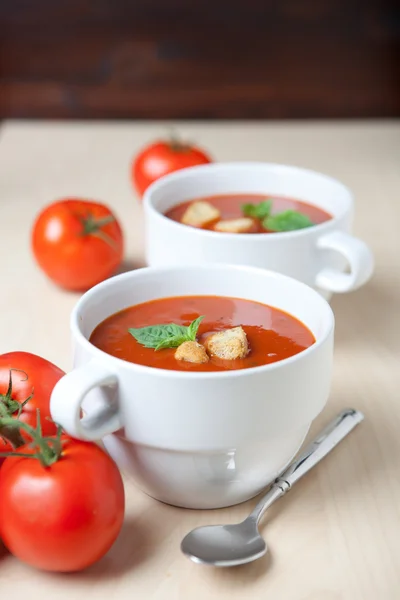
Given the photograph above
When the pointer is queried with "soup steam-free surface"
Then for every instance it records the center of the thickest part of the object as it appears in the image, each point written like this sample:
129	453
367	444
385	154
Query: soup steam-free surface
272	334
230	207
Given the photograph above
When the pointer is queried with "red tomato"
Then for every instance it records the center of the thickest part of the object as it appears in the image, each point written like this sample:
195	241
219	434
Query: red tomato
77	243
63	517
161	158
32	377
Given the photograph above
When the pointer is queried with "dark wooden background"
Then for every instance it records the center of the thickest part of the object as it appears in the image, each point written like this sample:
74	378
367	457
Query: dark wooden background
199	58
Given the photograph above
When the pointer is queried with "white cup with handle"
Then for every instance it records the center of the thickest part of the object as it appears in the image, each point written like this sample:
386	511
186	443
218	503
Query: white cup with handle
196	439
326	257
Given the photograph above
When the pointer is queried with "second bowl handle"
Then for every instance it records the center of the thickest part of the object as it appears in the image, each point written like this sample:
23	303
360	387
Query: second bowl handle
358	255
68	395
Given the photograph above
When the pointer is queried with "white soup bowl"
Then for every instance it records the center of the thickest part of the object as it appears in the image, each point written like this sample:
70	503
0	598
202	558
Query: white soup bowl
196	439
326	256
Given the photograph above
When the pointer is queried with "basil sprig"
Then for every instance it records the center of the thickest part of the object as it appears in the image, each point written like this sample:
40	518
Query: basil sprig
287	220
257	211
166	336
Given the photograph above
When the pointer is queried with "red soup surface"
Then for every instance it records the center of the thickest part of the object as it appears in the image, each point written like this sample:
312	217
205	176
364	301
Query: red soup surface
230	207
272	334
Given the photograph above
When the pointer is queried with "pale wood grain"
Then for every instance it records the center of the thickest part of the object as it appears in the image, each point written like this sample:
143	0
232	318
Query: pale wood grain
337	535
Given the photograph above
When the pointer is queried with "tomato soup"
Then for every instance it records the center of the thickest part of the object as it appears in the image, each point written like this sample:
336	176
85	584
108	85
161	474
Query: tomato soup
230	207
271	333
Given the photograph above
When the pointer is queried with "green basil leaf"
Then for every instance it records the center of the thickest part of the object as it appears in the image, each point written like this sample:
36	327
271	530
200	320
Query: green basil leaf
156	336
288	220
169	335
171	342
257	211
149	337
193	328
174	330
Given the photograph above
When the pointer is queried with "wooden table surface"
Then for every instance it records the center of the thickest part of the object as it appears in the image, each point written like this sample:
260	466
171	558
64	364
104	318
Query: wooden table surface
336	536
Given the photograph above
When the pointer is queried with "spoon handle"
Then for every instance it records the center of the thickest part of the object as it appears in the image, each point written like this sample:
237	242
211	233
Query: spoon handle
328	438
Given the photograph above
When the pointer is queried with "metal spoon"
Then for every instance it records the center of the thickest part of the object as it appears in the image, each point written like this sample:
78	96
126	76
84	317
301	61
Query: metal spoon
231	545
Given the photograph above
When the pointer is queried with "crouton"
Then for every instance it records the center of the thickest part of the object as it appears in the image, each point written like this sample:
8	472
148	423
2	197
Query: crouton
244	225
228	344
199	214
191	352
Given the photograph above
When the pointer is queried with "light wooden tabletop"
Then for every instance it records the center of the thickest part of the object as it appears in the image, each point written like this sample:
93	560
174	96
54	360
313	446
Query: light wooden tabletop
336	536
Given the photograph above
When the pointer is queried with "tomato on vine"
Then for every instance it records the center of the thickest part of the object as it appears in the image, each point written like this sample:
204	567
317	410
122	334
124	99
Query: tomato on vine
26	383
61	500
163	157
77	243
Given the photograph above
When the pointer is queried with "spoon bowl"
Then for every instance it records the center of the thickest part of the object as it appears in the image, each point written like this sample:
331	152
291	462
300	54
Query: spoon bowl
225	545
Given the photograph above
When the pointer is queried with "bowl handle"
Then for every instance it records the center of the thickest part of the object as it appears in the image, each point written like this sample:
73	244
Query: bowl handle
69	393
357	254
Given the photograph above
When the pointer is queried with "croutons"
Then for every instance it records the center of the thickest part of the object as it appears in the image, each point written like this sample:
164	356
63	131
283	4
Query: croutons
191	352
228	344
199	214
244	225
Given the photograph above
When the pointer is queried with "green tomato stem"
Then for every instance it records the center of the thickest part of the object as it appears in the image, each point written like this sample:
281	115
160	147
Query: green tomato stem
48	449
94	227
176	144
8	407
